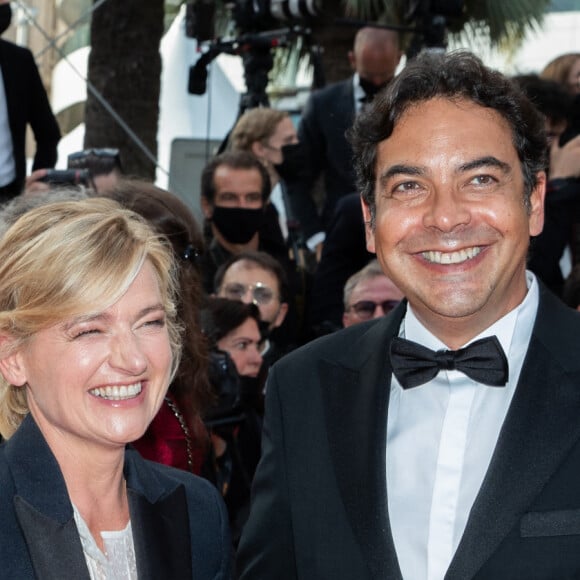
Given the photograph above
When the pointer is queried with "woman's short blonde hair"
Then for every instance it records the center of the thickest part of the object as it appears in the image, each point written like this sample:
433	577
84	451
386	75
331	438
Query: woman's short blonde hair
255	125
72	258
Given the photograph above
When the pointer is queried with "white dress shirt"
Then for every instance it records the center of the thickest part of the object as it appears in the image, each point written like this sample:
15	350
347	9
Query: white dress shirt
440	440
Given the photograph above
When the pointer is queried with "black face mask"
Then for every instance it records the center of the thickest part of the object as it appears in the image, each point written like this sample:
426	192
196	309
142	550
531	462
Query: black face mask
5	17
293	160
236	224
369	88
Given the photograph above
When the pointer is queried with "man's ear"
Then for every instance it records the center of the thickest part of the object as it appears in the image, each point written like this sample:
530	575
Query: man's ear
537	197
11	364
369	230
258	149
206	207
352	60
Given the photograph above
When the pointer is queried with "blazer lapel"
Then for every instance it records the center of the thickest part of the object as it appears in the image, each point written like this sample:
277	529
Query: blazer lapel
161	532
540	428
42	507
356	396
55	549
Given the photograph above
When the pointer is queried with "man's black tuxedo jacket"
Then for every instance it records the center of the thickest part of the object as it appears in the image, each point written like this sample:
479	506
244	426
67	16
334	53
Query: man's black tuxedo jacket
27	103
179	523
327	115
320	495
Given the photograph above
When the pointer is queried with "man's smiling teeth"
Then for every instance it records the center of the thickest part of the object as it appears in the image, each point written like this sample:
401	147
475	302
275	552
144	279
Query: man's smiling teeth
451	257
117	393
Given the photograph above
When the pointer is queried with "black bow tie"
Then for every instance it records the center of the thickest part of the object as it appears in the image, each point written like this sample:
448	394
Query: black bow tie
483	361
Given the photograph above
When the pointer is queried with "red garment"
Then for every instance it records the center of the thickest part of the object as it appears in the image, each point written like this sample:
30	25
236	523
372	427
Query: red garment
165	441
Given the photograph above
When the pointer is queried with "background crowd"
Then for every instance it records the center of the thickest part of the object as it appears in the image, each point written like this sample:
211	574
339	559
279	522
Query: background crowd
281	256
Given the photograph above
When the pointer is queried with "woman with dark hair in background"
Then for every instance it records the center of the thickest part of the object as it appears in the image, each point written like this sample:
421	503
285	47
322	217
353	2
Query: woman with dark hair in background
177	435
232	331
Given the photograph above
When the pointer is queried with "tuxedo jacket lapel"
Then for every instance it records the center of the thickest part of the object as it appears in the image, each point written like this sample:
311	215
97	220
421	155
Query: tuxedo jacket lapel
356	395
161	536
541	426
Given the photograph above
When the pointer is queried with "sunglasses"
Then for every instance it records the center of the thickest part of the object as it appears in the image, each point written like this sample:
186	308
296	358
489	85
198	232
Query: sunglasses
261	294
365	309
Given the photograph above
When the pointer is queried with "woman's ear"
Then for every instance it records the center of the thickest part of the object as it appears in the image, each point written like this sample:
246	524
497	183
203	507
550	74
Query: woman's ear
11	364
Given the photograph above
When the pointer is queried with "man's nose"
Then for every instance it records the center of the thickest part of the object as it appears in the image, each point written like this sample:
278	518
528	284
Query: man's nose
446	210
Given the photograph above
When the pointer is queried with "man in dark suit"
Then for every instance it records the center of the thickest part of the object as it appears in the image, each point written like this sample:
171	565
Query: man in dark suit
326	117
23	101
441	441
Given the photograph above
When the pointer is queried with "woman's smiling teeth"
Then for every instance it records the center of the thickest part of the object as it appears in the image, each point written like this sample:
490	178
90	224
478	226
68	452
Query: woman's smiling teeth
117	393
452	257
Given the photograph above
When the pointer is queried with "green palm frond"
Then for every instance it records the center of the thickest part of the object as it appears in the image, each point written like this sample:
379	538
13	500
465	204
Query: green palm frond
506	21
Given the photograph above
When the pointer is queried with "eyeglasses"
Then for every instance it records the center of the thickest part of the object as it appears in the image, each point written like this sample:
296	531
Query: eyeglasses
365	309
261	294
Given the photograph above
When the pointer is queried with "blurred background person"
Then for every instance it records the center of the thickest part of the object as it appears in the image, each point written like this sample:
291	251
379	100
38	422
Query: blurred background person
327	115
369	294
89	341
235	188
23	102
553	253
268	133
257	278
177	435
565	70
343	254
233	334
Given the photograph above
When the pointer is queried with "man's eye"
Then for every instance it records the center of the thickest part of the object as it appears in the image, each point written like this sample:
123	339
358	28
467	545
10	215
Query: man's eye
483	180
405	187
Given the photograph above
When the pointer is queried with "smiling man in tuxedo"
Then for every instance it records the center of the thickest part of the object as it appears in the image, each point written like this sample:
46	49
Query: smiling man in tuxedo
443	440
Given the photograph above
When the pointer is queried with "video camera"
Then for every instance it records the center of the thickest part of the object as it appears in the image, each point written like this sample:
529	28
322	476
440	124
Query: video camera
255	22
226	383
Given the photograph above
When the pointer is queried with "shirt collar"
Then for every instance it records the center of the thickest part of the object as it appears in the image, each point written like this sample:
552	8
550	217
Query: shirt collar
514	327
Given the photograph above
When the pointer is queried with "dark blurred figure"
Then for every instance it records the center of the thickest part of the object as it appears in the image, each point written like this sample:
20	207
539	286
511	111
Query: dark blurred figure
562	204
343	254
177	435
23	101
571	292
321	133
233	334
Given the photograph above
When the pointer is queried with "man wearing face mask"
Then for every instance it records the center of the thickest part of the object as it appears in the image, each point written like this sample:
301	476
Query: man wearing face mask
23	101
327	115
235	188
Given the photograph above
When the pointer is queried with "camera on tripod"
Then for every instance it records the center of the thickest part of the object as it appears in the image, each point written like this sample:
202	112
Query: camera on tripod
248	15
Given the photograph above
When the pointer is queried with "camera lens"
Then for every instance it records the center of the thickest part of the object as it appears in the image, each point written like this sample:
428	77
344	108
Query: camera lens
289	9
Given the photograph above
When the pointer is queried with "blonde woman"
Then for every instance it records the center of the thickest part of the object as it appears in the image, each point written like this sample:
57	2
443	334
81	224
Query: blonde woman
88	346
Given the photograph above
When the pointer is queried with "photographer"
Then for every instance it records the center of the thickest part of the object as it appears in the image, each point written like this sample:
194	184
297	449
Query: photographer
97	169
232	331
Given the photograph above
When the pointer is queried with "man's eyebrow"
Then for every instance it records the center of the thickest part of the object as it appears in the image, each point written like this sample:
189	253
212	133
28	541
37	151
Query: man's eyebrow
487	161
400	169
